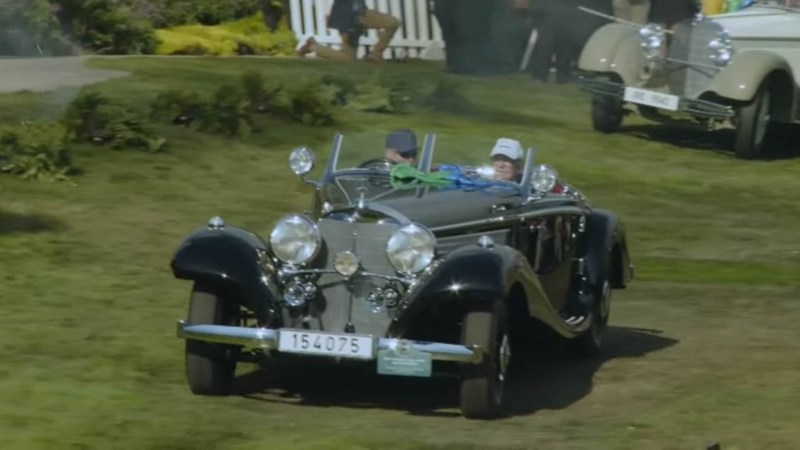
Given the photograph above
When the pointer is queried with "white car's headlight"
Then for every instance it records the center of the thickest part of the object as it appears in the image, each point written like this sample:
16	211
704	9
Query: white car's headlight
652	38
295	239
721	48
411	248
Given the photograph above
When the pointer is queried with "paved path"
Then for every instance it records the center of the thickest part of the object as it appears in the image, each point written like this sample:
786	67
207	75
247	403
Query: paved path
44	74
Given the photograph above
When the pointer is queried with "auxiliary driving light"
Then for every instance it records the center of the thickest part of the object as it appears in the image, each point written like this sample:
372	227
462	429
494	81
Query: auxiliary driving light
346	263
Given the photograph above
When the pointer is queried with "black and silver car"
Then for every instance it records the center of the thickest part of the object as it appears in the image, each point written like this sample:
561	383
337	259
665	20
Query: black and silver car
408	269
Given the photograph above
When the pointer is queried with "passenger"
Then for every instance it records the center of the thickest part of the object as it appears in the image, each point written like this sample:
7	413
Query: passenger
507	160
401	147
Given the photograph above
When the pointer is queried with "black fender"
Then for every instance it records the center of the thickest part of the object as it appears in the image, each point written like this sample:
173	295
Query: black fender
607	250
230	257
467	279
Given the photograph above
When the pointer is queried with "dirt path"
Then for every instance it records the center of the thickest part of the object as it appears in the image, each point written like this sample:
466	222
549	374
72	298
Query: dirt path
44	74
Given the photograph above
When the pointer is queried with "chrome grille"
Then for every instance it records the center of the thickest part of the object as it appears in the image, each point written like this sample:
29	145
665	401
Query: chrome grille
332	311
690	69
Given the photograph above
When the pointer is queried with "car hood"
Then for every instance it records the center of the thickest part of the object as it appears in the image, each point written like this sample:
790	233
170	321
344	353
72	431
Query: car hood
760	22
436	208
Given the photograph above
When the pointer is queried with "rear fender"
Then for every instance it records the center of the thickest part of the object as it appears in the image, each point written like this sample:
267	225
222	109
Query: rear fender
607	250
231	257
614	48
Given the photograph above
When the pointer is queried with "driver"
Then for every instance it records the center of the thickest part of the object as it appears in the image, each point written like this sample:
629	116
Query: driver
507	160
401	146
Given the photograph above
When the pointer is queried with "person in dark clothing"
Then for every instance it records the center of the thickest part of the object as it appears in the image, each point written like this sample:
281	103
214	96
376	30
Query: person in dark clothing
670	12
555	21
467	31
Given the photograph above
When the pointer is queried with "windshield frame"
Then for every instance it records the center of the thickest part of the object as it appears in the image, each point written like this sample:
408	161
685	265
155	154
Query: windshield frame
332	171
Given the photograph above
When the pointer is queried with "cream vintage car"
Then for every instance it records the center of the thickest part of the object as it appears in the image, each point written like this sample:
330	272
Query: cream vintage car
737	71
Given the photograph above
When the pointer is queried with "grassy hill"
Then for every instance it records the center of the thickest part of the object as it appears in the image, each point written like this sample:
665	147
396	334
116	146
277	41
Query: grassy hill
701	349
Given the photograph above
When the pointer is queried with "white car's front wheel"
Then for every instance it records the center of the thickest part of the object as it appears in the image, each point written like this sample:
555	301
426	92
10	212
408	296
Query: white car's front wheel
607	114
753	125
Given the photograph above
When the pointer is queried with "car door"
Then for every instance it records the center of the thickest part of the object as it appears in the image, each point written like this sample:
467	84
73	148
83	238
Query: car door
551	247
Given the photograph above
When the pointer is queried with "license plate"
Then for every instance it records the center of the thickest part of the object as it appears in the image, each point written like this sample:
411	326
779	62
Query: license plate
652	98
326	344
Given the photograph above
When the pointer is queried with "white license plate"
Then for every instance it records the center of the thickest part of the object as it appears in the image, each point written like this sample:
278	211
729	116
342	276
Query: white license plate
652	98
326	344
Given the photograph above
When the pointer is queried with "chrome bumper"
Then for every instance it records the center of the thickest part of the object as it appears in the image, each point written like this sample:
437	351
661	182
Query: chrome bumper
267	339
696	107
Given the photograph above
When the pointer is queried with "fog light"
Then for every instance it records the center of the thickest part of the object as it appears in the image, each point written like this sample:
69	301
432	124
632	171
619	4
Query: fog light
346	263
390	297
294	294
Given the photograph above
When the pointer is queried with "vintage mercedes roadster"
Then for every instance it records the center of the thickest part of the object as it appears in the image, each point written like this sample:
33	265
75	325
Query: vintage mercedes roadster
736	71
405	267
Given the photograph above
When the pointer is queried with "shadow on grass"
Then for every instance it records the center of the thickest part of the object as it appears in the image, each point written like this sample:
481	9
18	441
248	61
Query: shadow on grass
537	381
11	223
784	143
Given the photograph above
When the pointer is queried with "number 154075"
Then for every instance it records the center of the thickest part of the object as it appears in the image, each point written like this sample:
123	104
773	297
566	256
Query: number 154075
328	344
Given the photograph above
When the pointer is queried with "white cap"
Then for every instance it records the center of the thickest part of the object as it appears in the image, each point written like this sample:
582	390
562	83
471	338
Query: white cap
509	148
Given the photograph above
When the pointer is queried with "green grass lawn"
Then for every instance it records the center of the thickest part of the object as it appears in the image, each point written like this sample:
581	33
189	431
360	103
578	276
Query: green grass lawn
703	346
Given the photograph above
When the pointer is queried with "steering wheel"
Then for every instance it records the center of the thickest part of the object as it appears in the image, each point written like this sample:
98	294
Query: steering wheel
377	163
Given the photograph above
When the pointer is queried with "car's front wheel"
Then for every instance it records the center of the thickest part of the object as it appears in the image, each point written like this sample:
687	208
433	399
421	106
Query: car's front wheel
607	114
483	385
590	343
753	125
210	367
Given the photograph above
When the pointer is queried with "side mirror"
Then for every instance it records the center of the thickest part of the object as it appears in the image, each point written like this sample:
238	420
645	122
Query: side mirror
302	162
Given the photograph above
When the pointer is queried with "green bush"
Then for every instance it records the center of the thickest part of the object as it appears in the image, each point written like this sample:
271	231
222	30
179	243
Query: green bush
182	107
312	104
28	28
91	117
260	100
107	27
448	96
243	37
228	112
35	151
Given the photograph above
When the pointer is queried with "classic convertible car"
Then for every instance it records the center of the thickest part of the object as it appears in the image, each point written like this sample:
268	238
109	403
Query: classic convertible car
403	267
737	70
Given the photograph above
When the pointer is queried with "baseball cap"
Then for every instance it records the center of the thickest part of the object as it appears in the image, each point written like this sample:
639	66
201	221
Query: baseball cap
404	141
510	148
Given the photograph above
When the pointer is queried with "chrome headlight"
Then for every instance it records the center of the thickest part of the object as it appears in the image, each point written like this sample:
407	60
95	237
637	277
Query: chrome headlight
652	38
721	48
411	248
543	178
301	161
295	239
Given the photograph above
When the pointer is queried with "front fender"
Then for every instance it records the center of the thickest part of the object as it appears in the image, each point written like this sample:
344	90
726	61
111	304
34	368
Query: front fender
614	48
741	79
229	256
467	278
607	250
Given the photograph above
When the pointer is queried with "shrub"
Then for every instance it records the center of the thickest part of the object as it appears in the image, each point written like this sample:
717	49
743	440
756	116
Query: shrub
28	27
35	151
246	36
448	96
228	112
260	100
107	27
182	107
91	117
312	104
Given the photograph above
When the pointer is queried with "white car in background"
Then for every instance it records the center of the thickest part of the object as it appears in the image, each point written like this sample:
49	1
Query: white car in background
738	70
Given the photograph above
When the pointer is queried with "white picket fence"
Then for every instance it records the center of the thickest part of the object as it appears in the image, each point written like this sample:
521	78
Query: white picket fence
418	37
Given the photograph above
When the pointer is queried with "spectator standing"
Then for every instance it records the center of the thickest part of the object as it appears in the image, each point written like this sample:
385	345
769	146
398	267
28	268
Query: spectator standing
554	20
351	18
